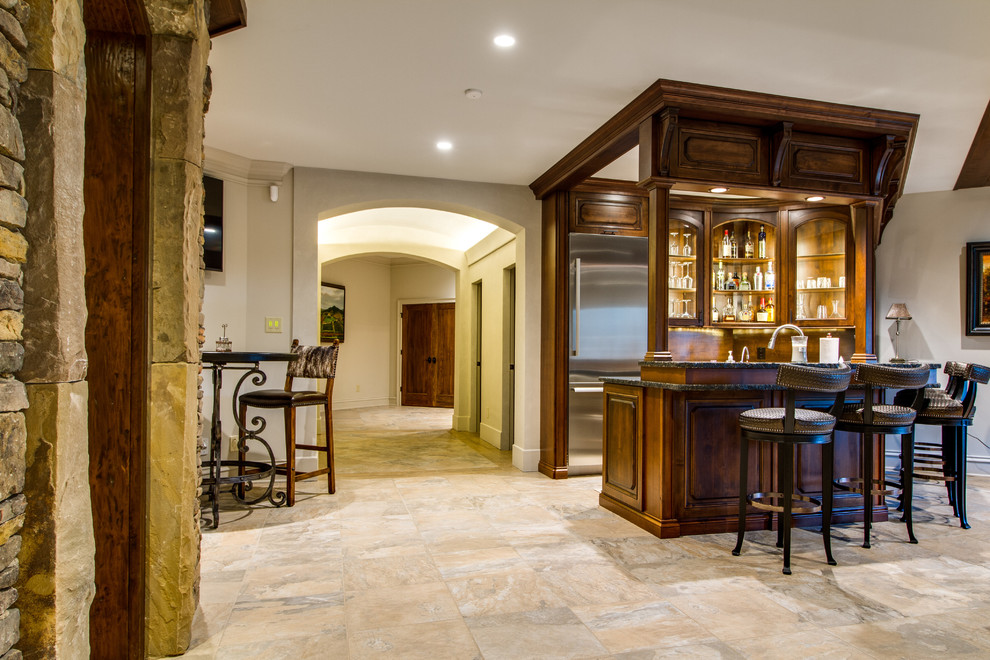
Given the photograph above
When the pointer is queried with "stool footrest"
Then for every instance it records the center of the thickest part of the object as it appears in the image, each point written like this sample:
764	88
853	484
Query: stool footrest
856	485
802	502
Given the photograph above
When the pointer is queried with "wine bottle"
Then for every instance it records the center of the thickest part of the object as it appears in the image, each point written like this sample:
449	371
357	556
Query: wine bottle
762	243
748	247
770	278
726	246
758	280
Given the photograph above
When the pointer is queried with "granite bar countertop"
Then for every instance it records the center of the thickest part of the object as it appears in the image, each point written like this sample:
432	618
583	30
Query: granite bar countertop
713	364
688	387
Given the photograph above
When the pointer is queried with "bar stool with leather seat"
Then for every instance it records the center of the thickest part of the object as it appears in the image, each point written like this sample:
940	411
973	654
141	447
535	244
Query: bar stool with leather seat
870	419
319	362
953	409
787	427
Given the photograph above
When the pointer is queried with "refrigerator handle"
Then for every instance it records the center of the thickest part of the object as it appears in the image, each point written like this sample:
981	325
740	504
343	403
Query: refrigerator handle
576	331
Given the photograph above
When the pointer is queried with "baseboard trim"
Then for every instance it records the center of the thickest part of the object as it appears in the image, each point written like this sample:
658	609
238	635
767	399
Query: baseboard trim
527	460
350	404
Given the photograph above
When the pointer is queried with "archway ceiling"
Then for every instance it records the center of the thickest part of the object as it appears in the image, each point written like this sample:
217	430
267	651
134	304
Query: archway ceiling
372	86
405	230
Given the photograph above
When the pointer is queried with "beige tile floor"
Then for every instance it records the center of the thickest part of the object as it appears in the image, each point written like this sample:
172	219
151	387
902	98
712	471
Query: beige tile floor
435	547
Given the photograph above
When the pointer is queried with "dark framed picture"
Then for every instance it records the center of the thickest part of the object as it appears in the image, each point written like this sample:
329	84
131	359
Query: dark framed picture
331	313
978	288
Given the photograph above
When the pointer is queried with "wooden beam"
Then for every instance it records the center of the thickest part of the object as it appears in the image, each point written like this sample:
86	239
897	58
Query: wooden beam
227	16
975	171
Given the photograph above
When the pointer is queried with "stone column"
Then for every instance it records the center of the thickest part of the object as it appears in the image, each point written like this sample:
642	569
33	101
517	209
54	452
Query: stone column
57	581
180	47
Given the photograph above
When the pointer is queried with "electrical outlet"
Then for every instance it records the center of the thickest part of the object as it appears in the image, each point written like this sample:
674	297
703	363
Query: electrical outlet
273	324
357	388
761	352
233	443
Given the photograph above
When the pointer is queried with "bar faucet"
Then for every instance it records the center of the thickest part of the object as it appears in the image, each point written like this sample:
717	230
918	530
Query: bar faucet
744	356
773	338
799	345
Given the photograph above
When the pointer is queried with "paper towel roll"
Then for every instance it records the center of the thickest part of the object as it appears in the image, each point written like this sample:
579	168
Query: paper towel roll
828	349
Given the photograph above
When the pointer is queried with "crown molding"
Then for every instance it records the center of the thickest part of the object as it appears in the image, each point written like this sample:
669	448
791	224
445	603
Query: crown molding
231	167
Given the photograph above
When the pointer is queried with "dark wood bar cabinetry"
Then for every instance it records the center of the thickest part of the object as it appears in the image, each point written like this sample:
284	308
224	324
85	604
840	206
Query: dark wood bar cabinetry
760	210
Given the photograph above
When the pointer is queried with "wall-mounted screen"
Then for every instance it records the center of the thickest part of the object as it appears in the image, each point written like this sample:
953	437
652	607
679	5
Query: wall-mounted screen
213	223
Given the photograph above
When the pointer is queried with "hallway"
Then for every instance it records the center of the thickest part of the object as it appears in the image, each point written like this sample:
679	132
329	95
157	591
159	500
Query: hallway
435	547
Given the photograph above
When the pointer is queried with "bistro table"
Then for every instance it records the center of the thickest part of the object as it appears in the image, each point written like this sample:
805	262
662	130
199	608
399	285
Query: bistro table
247	471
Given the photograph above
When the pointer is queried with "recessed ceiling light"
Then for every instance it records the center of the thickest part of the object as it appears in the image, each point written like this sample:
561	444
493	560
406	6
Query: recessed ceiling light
505	41
473	94
718	189
444	145
814	198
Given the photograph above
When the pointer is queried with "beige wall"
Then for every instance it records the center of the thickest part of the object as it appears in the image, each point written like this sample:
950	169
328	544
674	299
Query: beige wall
922	262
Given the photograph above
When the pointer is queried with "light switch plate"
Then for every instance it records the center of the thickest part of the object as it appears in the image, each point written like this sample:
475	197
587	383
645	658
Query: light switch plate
273	324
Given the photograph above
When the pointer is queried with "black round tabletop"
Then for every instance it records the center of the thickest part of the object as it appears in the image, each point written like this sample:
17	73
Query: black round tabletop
225	357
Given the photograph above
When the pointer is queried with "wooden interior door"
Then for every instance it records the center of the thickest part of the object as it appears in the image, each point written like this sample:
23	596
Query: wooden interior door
428	355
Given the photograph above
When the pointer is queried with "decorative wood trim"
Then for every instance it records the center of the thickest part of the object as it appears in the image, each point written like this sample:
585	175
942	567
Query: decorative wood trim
554	349
781	143
227	16
890	169
975	172
621	132
669	122
657	294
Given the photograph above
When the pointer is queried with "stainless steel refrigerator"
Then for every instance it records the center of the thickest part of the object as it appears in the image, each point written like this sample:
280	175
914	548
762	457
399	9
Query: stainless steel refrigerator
608	299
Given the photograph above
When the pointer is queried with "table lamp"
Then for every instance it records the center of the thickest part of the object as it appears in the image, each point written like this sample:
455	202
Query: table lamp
898	312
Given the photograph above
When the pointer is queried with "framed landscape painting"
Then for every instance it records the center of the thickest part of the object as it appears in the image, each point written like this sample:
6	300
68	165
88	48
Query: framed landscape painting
331	313
978	288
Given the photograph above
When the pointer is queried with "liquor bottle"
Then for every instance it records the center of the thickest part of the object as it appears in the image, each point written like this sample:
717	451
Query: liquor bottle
729	313
714	311
733	246
726	247
748	248
770	278
744	285
720	276
770	311
735	281
762	315
758	280
761	240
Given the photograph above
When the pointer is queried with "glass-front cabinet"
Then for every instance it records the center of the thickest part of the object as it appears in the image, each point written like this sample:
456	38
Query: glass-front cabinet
744	269
684	253
821	245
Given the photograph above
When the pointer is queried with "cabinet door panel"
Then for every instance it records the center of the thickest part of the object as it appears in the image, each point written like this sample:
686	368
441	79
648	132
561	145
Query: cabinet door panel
622	462
709	468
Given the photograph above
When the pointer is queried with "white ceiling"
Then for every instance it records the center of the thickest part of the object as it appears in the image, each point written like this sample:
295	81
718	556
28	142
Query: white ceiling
372	85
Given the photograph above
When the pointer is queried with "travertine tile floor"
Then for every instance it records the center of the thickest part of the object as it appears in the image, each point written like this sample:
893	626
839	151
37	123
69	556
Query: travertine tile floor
435	547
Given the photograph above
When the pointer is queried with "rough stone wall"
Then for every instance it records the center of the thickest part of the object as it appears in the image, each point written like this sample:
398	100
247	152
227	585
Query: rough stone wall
180	48
57	577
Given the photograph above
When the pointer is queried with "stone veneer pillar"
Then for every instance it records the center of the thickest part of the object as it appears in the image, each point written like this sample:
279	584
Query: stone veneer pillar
57	581
180	48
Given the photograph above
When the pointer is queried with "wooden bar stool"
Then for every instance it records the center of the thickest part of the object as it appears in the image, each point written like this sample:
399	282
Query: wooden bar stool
869	419
952	409
318	362
787	427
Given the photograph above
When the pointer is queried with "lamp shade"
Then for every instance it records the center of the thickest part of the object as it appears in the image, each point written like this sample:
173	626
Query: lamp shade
898	311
